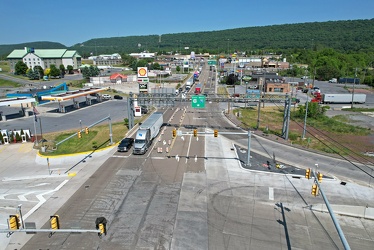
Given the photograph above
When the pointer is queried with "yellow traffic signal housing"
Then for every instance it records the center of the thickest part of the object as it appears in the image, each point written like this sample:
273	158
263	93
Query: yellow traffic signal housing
319	177
55	222
79	134
102	228
86	130
307	173
174	133
13	222
315	190
215	133
195	132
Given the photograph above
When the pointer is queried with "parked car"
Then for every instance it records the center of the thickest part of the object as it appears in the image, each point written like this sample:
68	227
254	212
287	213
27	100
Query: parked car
106	96
125	145
118	97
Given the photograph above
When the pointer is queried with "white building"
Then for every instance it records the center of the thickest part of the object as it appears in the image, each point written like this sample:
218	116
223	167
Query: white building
44	58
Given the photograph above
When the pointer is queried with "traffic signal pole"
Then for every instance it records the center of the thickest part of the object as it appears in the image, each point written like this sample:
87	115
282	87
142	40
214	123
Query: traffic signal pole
332	215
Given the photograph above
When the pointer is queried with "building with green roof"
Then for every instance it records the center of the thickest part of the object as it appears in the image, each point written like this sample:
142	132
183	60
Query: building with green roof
44	58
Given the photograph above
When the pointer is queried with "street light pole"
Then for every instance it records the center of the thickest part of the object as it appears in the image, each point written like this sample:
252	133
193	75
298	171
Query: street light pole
353	91
306	113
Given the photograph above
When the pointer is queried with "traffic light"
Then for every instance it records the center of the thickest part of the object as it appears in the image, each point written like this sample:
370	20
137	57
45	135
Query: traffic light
307	173
195	132
86	130
319	177
174	133
79	134
102	228
315	190
215	133
13	222
55	222
101	225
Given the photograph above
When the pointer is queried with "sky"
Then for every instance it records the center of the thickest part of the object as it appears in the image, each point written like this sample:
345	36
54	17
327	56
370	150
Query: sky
71	22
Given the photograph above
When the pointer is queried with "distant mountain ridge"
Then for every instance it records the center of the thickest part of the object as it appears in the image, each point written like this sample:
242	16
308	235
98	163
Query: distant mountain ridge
350	35
6	49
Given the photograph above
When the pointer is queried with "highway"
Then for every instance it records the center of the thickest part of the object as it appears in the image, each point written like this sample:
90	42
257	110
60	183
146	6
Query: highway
201	193
195	194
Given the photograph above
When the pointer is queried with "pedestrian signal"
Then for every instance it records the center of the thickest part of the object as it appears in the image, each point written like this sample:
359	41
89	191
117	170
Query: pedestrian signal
215	133
55	222
13	222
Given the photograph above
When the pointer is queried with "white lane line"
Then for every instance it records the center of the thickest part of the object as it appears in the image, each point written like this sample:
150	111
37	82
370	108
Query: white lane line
22	197
42	200
271	193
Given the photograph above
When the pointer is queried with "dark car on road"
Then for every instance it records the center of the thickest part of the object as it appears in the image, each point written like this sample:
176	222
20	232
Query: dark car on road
125	145
118	97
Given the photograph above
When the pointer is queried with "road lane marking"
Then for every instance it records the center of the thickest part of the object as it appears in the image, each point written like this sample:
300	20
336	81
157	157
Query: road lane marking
271	193
42	200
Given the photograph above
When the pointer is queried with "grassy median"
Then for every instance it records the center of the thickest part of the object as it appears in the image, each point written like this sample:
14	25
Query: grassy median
98	137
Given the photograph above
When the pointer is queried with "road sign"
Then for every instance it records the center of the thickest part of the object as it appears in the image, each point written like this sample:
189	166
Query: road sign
143	79
212	62
198	101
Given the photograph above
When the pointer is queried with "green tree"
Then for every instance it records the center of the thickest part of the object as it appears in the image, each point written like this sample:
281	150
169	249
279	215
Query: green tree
62	69
91	71
141	63
70	69
315	110
128	60
156	66
54	71
39	70
178	68
32	74
20	68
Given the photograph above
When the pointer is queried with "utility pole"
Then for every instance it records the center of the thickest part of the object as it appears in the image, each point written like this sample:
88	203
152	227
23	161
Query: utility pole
259	105
306	113
353	91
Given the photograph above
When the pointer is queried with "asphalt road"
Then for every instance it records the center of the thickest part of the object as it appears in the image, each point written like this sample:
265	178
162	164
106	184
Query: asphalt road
52	121
197	196
192	195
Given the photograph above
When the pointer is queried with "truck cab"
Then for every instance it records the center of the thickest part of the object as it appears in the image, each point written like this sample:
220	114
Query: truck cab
142	141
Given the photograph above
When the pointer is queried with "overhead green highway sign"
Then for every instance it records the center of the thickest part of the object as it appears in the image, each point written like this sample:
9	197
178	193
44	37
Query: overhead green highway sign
198	101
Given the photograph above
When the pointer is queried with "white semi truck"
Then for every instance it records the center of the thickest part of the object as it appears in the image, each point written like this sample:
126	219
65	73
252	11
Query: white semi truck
147	131
343	98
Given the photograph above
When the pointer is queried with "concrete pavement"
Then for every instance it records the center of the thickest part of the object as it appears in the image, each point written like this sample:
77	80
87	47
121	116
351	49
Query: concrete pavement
230	205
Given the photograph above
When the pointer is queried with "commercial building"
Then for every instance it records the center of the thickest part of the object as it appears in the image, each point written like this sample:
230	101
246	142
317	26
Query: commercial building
106	60
44	58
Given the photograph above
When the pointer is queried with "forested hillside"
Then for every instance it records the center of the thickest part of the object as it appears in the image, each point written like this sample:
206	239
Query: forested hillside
343	36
